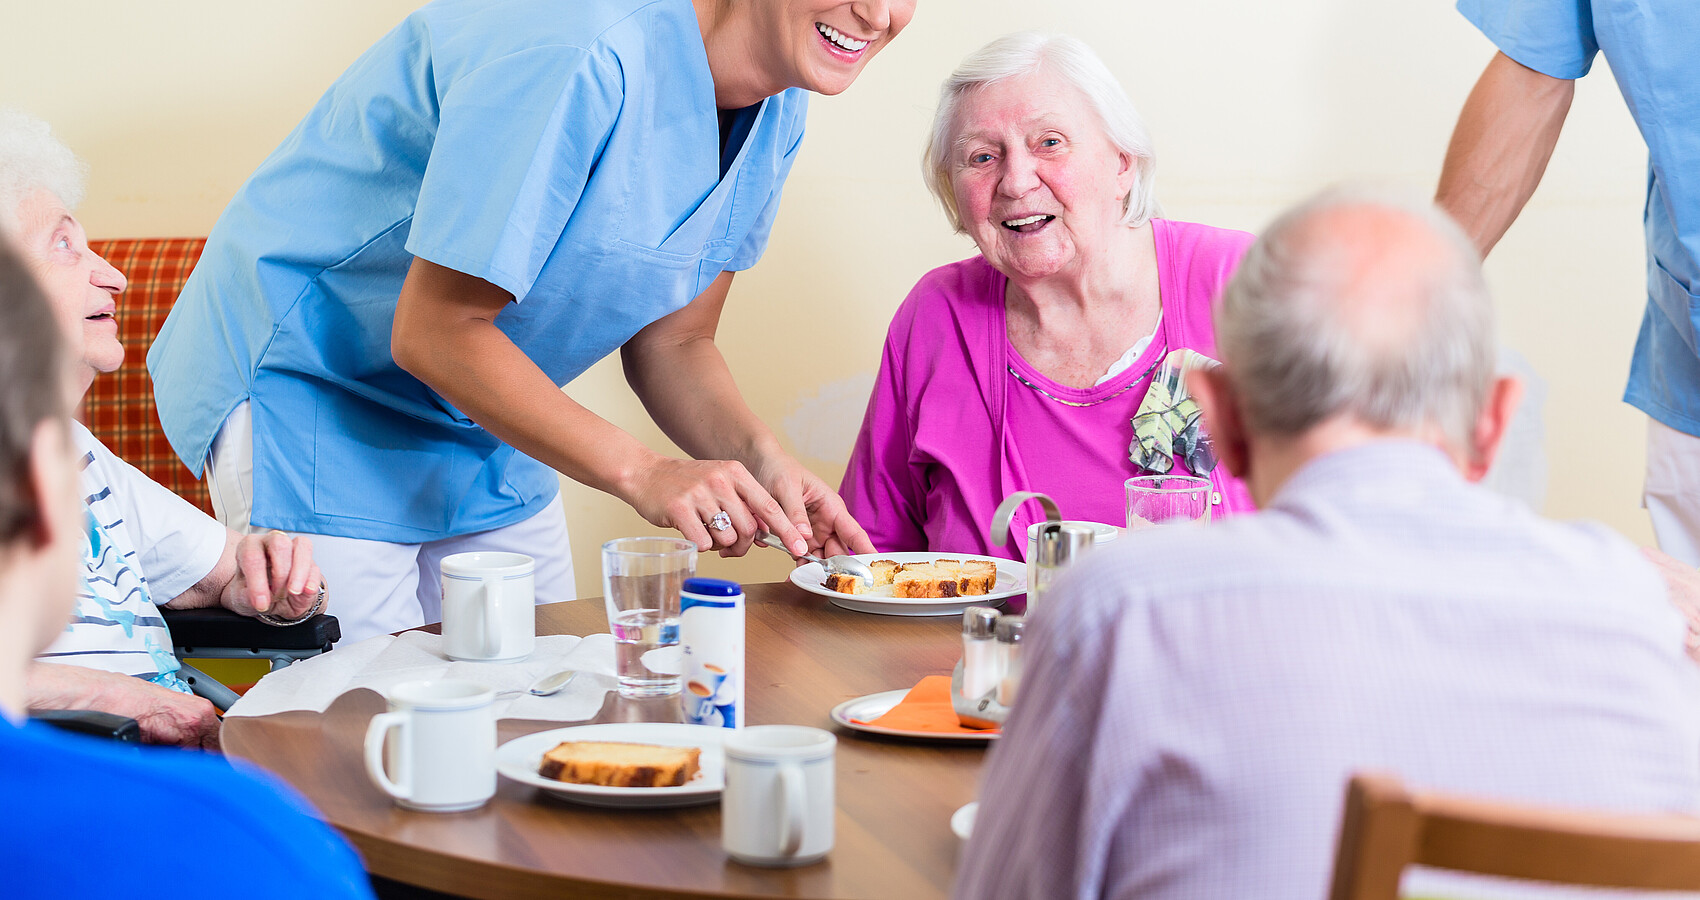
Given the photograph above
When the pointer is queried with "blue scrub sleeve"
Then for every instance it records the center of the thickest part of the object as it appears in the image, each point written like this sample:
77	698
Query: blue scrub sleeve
1553	37
755	242
508	166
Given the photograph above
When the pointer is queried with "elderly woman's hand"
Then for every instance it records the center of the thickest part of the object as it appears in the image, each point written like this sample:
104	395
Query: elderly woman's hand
165	716
275	574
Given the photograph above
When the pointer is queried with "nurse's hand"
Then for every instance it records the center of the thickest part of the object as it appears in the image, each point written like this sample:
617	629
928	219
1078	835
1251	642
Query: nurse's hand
817	510
686	494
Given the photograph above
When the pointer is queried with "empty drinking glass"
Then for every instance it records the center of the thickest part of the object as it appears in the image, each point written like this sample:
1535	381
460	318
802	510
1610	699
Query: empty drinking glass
1167	500
641	582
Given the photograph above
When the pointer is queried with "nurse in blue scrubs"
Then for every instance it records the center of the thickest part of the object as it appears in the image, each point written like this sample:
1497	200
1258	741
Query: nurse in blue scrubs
491	199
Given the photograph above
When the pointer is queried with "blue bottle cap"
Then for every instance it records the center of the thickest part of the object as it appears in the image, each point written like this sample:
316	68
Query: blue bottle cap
713	587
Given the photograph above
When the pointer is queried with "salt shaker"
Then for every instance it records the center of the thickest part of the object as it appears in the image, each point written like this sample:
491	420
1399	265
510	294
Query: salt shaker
974	684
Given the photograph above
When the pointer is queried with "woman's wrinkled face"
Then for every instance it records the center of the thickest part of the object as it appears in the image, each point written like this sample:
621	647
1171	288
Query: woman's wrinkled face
82	287
1037	183
822	45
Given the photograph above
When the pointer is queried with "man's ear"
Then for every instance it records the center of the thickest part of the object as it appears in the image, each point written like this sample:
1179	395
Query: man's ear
1221	408
1491	424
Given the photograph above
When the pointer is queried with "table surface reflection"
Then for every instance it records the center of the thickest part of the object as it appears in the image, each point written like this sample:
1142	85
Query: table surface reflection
804	656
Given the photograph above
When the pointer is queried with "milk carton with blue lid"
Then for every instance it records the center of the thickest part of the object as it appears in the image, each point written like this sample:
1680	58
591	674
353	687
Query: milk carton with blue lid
711	636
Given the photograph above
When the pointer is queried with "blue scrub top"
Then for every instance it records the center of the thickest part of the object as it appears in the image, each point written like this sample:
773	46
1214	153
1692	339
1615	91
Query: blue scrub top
568	153
1653	47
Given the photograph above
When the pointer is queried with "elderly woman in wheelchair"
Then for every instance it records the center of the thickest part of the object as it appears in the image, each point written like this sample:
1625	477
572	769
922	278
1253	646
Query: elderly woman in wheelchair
144	548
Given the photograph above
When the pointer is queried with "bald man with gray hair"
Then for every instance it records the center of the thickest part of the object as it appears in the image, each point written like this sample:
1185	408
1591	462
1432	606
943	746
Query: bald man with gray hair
1196	699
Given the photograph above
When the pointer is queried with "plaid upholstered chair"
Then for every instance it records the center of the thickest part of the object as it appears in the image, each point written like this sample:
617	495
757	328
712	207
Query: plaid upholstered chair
119	409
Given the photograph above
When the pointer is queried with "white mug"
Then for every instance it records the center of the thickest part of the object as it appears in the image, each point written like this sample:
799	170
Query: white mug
778	805
443	755
488	606
1101	534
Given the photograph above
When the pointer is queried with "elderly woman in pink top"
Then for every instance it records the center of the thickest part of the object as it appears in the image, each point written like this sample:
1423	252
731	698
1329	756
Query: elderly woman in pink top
1023	368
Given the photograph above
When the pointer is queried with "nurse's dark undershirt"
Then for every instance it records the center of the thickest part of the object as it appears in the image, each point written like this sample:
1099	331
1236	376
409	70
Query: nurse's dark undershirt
735	126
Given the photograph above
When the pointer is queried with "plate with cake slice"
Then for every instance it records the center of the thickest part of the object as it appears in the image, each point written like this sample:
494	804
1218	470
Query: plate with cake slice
620	764
919	583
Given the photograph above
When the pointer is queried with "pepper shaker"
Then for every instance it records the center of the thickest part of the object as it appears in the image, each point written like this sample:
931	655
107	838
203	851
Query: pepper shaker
1010	630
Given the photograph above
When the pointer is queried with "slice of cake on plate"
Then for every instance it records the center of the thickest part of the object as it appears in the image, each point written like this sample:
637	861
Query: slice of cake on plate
616	764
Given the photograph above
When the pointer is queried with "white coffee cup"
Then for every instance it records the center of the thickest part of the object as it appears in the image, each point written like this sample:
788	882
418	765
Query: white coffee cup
488	606
778	805
442	757
1101	534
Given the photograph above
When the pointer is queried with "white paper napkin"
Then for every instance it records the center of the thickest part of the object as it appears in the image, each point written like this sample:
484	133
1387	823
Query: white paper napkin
381	662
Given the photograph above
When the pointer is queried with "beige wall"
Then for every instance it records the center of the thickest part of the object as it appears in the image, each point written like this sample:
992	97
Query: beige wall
1252	104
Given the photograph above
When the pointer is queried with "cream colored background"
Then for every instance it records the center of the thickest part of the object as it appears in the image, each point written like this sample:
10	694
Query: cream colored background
1253	105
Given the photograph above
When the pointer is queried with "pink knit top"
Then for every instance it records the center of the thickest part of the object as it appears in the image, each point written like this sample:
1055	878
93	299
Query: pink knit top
950	432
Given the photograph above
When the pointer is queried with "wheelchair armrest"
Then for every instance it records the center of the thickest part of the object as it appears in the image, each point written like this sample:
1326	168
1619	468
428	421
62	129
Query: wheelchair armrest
219	627
90	722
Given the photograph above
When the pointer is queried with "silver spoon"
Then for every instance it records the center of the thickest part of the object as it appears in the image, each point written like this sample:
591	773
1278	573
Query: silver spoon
832	565
548	684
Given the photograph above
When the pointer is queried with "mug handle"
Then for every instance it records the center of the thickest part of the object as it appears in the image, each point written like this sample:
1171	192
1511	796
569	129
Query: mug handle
376	735
489	622
791	816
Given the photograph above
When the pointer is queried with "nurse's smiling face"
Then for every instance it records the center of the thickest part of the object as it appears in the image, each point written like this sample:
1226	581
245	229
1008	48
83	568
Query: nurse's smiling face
822	45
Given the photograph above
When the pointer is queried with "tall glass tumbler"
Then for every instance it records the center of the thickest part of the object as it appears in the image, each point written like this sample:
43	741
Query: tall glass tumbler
641	581
1154	500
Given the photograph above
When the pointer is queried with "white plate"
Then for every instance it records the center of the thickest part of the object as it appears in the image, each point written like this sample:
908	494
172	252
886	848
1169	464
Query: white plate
962	821
875	705
1012	580
519	758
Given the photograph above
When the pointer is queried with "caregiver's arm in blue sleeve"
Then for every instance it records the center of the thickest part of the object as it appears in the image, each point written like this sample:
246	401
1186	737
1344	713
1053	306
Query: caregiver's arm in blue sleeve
445	335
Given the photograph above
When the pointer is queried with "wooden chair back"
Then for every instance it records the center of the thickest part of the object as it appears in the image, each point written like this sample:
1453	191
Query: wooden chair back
119	408
1387	828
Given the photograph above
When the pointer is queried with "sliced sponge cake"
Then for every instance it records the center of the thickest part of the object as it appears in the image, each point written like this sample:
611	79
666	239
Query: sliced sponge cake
620	765
922	580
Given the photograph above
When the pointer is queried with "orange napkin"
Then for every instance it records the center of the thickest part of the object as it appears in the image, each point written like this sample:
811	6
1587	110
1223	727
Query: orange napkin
926	708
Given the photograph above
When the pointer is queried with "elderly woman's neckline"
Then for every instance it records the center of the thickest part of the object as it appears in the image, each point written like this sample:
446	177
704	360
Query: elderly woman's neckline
1071	331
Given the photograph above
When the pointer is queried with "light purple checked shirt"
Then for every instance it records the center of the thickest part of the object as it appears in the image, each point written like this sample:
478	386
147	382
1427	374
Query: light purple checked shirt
1195	700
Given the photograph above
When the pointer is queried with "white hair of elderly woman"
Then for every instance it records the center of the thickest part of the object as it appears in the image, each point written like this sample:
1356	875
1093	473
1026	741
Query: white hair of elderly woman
31	158
1020	54
1296	360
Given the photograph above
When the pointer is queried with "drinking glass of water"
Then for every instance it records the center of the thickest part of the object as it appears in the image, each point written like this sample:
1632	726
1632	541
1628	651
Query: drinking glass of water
641	581
1167	500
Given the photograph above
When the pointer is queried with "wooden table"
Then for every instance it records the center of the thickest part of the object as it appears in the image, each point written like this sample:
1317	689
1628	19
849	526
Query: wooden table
895	798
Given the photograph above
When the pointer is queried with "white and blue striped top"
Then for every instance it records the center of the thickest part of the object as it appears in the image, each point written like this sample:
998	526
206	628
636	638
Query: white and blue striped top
143	543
